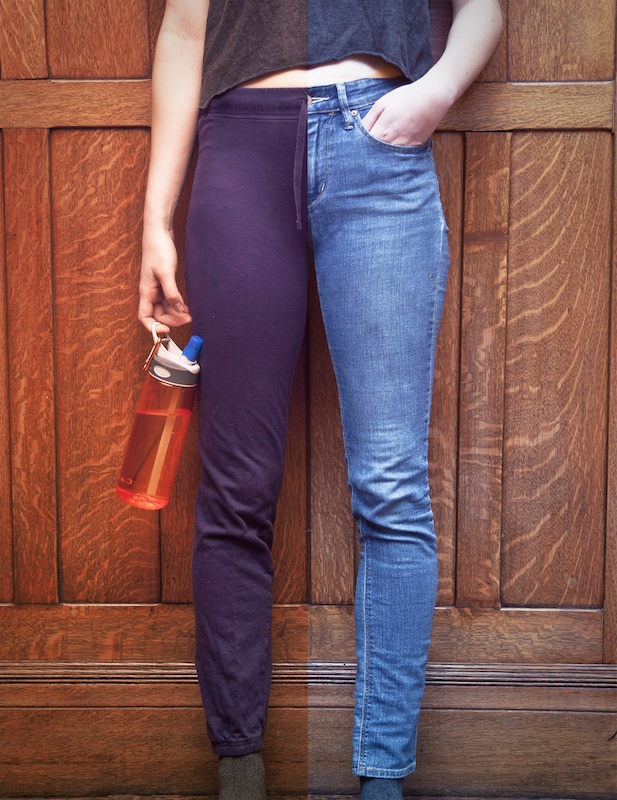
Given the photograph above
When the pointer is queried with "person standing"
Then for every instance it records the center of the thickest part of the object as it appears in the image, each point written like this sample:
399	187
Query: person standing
314	121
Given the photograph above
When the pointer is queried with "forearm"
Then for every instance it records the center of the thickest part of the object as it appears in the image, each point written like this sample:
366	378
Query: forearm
474	34
176	85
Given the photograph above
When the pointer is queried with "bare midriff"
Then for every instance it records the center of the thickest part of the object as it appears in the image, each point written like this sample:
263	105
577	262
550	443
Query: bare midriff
348	69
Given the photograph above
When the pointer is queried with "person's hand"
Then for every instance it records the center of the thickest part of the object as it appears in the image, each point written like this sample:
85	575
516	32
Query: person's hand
159	298
409	114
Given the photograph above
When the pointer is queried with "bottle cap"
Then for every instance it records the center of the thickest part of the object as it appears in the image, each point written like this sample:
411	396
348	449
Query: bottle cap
191	351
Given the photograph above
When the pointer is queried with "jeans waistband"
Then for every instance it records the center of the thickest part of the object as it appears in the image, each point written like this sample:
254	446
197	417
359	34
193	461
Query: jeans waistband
341	96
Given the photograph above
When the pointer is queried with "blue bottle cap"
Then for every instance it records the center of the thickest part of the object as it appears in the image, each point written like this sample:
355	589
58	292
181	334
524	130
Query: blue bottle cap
191	351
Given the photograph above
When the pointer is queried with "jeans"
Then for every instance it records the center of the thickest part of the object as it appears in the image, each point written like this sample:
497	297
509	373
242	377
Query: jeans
376	229
381	260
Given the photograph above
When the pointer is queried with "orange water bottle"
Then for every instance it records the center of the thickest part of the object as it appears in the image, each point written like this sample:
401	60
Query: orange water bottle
161	422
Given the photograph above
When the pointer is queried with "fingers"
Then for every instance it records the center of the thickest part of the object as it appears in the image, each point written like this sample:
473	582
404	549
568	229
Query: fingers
170	312
372	116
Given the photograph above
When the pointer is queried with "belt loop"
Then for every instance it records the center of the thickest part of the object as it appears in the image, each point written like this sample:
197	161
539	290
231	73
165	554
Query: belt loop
341	91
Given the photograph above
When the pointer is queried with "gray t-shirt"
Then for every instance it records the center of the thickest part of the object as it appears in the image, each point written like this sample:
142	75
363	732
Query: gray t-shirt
246	39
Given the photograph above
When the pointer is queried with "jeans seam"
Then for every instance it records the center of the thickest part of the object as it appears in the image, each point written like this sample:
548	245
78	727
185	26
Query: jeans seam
366	632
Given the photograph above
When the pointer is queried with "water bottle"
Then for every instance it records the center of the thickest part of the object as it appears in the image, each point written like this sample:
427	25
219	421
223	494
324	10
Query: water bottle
161	422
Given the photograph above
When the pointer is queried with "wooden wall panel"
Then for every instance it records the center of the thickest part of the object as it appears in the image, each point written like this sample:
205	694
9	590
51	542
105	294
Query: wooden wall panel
6	522
487	185
556	370
107	39
291	529
31	365
482	754
333	532
23	49
163	632
109	550
177	519
553	40
443	434
478	635
610	567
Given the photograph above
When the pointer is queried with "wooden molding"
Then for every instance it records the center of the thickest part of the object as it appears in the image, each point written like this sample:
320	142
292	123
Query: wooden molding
485	107
561	676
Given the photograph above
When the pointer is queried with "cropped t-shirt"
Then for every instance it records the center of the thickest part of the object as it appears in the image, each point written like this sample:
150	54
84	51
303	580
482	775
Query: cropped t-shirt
246	39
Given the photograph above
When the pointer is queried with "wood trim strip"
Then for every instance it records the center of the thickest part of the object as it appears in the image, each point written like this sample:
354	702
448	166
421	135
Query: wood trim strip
164	633
32	395
6	507
533	106
485	107
507	635
610	564
549	676
483	345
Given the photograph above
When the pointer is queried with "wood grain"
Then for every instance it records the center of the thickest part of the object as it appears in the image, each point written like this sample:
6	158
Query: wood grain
6	511
74	104
177	520
333	531
484	107
156	9
556	41
610	568
23	49
108	39
536	106
556	370
482	753
443	433
540	636
125	633
49	684
291	529
110	551
31	365
487	184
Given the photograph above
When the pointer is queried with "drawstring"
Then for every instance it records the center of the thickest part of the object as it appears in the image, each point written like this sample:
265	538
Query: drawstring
299	160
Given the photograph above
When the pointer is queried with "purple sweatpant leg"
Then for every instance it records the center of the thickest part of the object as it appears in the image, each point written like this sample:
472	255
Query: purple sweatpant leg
246	270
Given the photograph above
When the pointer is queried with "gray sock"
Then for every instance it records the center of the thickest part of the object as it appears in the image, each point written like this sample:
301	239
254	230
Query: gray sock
242	777
381	788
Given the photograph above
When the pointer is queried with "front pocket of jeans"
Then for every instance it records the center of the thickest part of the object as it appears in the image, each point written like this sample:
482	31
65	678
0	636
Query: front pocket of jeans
396	148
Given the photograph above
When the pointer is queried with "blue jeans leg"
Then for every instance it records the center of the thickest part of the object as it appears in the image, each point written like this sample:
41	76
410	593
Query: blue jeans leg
380	245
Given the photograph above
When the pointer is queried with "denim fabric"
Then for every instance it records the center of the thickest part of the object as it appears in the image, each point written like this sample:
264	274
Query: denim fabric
378	234
381	258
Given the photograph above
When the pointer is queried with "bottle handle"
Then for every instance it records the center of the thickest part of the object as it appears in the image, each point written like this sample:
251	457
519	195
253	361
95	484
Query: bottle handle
157	343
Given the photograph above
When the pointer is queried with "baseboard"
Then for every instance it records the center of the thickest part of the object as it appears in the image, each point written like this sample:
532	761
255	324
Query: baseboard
136	729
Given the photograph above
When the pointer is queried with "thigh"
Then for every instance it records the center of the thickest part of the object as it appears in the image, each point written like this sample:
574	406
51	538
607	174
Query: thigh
380	243
246	270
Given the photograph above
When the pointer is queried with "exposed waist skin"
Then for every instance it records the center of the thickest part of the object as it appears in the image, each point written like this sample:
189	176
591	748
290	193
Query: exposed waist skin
348	69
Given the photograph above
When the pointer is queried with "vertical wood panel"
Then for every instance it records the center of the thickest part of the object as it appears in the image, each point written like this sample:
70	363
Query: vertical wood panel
6	523
553	40
178	518
156	9
31	364
610	574
443	434
109	550
333	533
482	368
106	39
23	50
290	549
556	370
